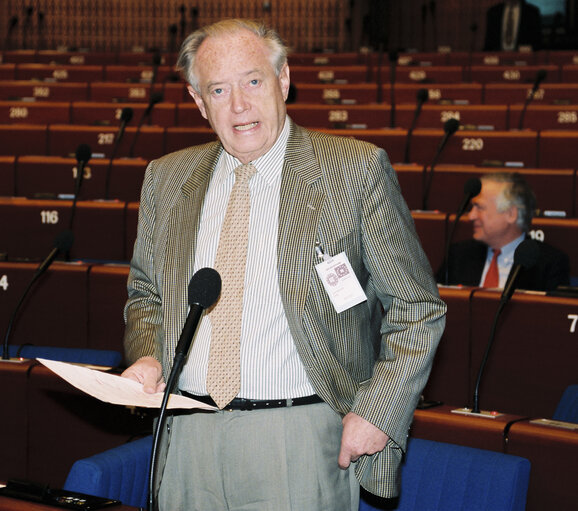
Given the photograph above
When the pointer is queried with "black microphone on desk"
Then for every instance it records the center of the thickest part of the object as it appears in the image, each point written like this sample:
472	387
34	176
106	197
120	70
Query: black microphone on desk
525	256
157	59
472	188
379	80
540	75
156	97
450	127
83	155
393	56
62	245
204	290
125	117
421	97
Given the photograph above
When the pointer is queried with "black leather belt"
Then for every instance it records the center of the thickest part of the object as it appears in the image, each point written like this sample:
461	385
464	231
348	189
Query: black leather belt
240	403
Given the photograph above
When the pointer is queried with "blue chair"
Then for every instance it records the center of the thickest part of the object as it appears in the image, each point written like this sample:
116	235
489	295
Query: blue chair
106	358
567	409
435	476
120	473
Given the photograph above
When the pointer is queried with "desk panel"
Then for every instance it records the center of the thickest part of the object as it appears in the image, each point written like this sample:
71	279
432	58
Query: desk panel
431	229
107	296
513	73
17	90
17	112
55	311
561	233
533	357
7	166
134	92
476	147
7	71
98	228
109	114
545	117
137	74
59	72
13	389
547	93
19	139
180	137
553	453
557	149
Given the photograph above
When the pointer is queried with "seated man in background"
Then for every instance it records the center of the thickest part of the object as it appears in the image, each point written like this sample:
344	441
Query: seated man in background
501	217
512	24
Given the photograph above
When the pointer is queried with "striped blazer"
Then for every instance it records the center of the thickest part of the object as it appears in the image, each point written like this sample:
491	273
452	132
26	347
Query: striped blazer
372	359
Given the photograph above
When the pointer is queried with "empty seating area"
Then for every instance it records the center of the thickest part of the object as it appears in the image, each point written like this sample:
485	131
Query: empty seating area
51	102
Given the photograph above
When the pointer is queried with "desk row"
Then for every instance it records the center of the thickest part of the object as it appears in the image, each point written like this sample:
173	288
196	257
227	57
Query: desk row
454	93
303	74
474	117
519	149
106	230
52	177
364	56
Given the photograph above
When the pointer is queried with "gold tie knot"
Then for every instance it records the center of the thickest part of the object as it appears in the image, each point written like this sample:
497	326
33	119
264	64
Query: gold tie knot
245	172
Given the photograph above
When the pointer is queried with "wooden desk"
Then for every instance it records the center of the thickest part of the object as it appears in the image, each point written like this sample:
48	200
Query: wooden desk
8	504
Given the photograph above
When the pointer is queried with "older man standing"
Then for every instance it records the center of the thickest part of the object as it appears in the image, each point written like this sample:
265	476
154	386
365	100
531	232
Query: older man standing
333	327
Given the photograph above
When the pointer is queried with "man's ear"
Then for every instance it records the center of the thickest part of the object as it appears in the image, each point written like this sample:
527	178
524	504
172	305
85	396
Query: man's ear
198	100
284	81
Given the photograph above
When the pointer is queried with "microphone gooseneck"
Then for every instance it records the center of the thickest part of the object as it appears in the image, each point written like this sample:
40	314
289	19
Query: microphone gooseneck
450	127
472	188
83	155
125	117
540	75
422	96
203	291
156	97
62	244
525	256
393	56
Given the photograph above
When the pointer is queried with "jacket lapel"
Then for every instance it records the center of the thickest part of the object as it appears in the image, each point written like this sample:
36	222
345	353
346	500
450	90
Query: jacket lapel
301	204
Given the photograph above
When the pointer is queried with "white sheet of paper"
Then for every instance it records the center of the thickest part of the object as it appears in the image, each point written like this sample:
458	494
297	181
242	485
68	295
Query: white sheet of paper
115	389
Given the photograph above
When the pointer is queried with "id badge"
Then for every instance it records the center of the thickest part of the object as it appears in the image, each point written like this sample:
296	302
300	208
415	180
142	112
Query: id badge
340	281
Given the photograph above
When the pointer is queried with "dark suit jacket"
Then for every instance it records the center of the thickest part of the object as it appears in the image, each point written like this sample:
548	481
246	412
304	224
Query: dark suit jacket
467	260
529	33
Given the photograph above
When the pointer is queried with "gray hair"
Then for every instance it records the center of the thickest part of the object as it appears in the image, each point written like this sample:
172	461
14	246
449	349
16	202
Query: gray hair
190	47
517	193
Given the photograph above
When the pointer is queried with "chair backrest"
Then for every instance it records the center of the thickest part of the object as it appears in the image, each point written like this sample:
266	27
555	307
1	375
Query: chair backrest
567	409
120	473
439	476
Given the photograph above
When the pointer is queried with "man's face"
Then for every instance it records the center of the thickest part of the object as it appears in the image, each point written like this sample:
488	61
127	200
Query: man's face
240	94
493	227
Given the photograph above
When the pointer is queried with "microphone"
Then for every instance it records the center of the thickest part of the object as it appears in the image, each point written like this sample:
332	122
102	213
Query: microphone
379	95
83	154
62	244
540	75
525	256
204	289
125	117
156	97
157	59
450	127
472	188
393	56
422	96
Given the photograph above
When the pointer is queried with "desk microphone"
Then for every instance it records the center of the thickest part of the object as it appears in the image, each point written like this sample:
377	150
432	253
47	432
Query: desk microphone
125	117
525	256
62	245
83	155
204	290
450	127
472	188
379	84
421	97
540	75
157	59
156	97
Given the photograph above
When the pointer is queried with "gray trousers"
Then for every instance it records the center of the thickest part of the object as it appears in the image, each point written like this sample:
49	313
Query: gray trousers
282	459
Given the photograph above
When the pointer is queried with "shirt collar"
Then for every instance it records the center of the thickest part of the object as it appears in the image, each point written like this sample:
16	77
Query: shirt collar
508	250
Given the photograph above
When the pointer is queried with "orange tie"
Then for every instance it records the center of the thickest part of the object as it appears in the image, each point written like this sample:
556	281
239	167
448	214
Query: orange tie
493	276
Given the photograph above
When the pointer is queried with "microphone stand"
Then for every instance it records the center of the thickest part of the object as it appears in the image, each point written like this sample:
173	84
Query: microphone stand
125	116
539	77
393	55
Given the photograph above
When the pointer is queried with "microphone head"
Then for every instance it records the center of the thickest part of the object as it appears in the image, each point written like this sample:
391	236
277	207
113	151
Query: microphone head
204	287
451	126
83	153
126	114
472	187
540	75
422	95
527	253
157	59
64	240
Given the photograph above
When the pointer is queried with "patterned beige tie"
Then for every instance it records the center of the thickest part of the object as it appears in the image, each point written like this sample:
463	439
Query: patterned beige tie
224	371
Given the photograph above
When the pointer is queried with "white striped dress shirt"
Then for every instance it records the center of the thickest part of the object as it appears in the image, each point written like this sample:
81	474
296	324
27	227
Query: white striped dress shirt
270	365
